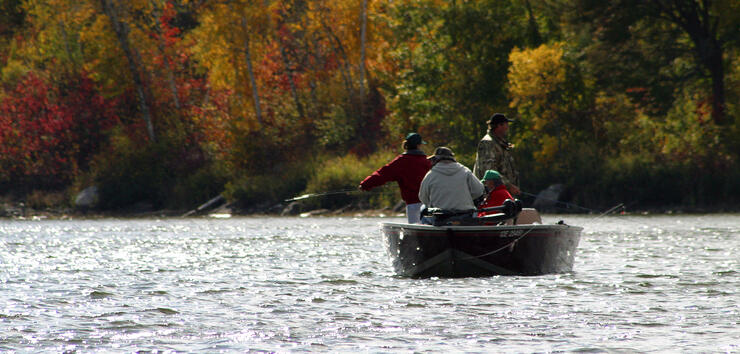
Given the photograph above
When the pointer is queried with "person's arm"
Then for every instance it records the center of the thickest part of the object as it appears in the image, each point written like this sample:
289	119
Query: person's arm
513	189
484	158
380	177
424	191
477	189
497	164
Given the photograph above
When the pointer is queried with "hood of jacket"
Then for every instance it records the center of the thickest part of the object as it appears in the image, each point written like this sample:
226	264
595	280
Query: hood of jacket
448	168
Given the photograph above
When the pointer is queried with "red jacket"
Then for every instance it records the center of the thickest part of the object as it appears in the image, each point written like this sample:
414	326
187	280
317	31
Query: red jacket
408	169
495	198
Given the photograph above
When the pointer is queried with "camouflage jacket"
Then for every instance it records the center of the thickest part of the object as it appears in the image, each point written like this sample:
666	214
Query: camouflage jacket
494	153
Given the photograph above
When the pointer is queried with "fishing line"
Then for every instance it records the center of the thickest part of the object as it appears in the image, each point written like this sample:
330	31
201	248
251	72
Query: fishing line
560	202
618	206
612	209
593	211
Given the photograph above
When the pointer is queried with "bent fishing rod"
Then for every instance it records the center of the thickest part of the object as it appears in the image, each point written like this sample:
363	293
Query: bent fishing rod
334	192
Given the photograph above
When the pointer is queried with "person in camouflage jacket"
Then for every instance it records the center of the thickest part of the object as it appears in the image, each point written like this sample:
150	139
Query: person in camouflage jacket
494	153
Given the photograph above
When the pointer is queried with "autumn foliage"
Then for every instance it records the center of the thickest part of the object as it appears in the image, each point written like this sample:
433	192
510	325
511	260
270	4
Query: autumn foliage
170	102
49	133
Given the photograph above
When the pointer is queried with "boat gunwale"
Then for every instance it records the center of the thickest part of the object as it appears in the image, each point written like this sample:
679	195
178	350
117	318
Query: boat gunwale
530	227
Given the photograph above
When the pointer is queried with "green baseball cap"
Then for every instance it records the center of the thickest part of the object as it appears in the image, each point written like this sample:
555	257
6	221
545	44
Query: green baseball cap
491	175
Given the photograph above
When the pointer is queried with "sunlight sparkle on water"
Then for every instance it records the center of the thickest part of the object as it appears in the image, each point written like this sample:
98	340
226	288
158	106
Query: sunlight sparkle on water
640	283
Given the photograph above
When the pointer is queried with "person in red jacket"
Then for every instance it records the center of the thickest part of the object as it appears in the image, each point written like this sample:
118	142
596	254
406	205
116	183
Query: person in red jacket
407	169
497	192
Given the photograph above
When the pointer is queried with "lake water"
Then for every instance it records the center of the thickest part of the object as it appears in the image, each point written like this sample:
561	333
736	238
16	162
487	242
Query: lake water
640	283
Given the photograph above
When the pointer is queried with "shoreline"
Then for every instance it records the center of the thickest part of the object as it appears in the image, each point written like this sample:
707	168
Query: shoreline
21	212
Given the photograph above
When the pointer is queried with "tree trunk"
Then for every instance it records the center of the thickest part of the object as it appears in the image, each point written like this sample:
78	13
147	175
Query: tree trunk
710	54
70	57
698	23
250	72
286	64
363	36
694	18
718	93
346	70
121	30
534	33
291	81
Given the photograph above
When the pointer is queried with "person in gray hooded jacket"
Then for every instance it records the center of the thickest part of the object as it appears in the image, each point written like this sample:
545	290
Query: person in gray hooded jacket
449	185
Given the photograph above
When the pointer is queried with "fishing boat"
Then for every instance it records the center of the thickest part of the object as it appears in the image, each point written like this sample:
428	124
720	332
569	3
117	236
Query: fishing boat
508	243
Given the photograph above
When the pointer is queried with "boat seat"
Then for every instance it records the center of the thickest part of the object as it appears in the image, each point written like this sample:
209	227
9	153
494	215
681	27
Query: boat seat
440	217
526	216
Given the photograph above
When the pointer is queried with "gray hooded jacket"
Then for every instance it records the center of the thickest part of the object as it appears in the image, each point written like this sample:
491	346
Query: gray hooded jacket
450	186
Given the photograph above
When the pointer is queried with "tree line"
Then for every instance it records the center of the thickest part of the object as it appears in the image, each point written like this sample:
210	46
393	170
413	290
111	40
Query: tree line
174	101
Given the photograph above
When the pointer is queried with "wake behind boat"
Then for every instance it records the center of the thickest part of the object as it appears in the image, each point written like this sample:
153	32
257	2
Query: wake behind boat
453	249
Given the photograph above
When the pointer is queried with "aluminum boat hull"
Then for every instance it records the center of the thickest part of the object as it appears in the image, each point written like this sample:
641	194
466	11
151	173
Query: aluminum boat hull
423	251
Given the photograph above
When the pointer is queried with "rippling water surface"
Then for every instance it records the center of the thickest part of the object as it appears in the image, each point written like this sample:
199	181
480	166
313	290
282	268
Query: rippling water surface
664	283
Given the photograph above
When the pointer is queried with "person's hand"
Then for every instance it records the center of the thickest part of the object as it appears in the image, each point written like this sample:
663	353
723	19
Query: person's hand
514	190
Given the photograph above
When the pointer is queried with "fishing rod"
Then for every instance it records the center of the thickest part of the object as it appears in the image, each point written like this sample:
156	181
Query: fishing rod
560	202
607	212
339	191
321	194
619	206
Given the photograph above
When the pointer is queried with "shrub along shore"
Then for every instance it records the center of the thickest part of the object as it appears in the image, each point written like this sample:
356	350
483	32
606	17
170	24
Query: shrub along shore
330	190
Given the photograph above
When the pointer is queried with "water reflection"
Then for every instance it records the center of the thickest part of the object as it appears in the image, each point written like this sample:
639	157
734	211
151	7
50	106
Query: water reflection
280	284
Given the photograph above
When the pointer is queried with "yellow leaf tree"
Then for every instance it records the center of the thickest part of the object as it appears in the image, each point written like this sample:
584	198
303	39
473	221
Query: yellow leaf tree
539	91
